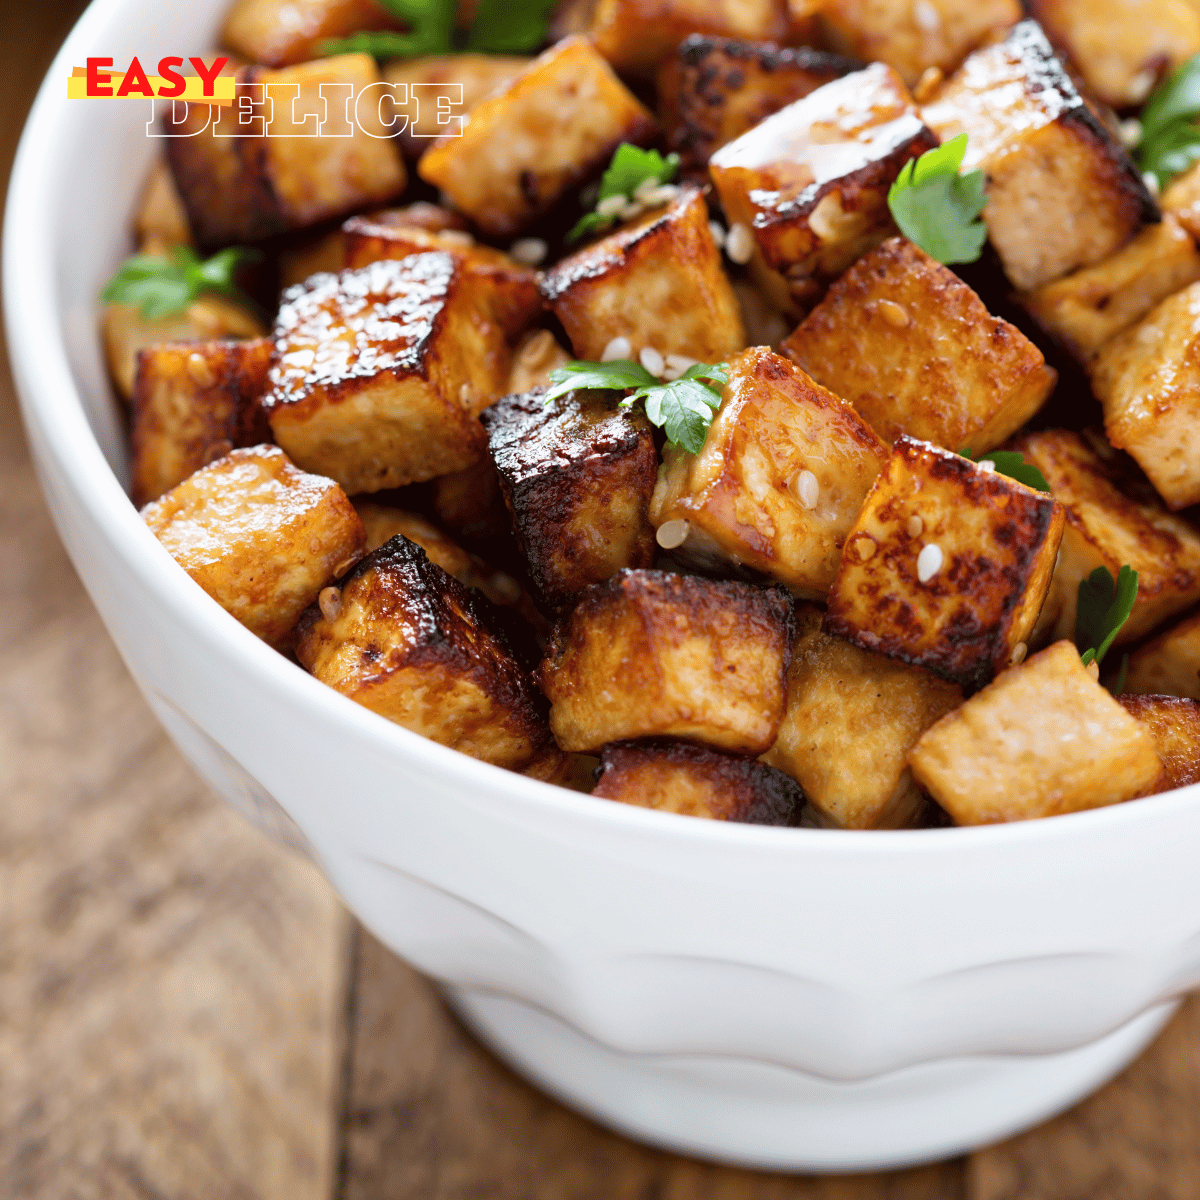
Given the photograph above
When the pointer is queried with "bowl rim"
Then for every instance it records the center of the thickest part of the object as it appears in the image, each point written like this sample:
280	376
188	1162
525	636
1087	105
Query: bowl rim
54	415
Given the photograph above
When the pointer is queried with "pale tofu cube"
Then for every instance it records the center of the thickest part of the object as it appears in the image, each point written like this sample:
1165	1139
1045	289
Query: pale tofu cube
160	213
778	483
1062	192
657	282
651	654
405	639
914	350
1174	724
852	717
1042	740
523	148
1169	665
946	566
259	536
279	33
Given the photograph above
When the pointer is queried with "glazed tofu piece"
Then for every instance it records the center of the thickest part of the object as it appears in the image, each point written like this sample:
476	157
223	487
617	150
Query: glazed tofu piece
912	38
192	404
279	33
1148	380
1062	192
650	654
778	483
577	476
713	89
1106	527
1121	48
259	536
658	282
160	215
401	637
946	566
469	502
1174	724
1042	740
693	781
1169	665
811	181
914	350
852	717
552	128
379	374
1089	308
294	179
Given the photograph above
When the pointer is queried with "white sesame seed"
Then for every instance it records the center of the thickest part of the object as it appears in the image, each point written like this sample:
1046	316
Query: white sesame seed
676	364
643	189
465	395
927	16
739	243
718	233
1152	185
618	348
611	206
1018	654
894	314
1093	669
915	526
1131	133
929	562
672	534
505	588
1141	85
633	209
652	361
529	251
330	603
806	488
665	193
986	465
862	548
457	237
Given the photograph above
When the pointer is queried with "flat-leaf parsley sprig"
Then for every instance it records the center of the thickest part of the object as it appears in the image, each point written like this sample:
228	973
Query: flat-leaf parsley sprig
1170	139
938	208
1012	463
158	287
1103	609
635	180
682	407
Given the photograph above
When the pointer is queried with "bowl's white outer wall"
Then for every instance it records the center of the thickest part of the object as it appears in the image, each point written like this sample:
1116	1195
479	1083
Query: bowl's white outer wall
842	955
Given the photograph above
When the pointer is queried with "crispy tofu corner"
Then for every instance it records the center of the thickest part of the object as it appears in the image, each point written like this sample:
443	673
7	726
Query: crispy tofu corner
1174	724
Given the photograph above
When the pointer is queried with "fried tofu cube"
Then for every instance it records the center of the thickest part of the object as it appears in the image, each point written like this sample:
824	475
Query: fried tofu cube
379	374
160	212
852	717
279	33
914	350
1090	307
946	566
1121	48
259	536
1174	724
912	38
193	403
1108	528
693	781
294	178
713	89
404	639
1042	740
1181	199
657	282
577	476
778	483
470	502
650	654
811	181
1062	192
552	128
534	358
1169	665
1148	380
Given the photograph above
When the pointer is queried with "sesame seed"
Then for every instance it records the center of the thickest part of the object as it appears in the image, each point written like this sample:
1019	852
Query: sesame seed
665	193
739	243
618	348
529	251
862	548
199	370
928	84
986	465
347	563
610	206
1018	654
927	16
631	210
1141	85
652	361
643	189
894	314
676	365
330	602
1151	182
718	234
1131	133
672	534
915	526
1093	669
929	562
465	395
828	219
806	488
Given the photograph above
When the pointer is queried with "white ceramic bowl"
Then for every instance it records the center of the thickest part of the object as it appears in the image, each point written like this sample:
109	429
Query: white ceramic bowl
778	997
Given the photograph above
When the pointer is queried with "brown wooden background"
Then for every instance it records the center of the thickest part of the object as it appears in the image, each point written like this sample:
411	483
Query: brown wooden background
186	1011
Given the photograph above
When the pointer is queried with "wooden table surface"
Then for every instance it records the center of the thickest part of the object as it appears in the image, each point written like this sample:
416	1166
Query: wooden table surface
187	1013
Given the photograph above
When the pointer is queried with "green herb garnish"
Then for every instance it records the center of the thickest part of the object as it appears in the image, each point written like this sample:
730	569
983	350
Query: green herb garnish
508	27
682	407
1103	609
631	166
1118	688
158	287
1170	140
1012	463
937	208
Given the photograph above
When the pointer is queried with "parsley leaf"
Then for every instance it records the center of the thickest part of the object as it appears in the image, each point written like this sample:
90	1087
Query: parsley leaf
1012	463
682	407
509	26
1170	139
158	287
937	208
630	167
1103	609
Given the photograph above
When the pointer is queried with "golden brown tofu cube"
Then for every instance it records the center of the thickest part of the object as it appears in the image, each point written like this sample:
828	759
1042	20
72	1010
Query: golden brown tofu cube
193	403
259	536
1089	308
554	126
657	282
694	781
160	212
1062	192
811	181
1121	48
1169	665
379	374
1107	528
279	33
1174	724
914	350
852	717
243	188
946	566
577	476
534	358
778	483
1042	740
649	654
1148	380
711	90
404	639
